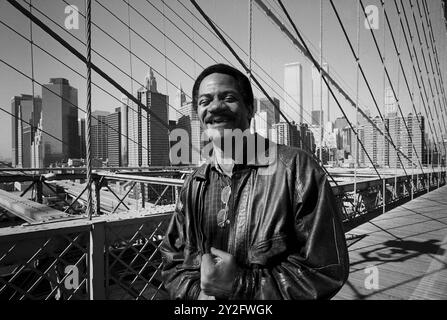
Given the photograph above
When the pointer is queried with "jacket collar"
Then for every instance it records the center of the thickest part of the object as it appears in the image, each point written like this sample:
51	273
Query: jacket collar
259	161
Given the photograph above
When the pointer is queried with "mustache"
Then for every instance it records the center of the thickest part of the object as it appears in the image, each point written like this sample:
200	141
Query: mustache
219	114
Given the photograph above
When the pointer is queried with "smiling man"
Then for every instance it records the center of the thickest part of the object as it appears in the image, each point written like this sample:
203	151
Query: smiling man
245	228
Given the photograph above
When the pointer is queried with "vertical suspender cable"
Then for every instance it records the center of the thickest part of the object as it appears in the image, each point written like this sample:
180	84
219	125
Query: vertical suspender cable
33	122
255	80
397	94
357	83
88	25
250	32
129	28
384	119
321	83
412	165
164	47
130	46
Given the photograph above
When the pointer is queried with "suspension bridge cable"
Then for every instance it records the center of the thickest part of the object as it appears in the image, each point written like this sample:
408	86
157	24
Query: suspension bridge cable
425	64
129	36
250	36
360	68
435	51
416	73
389	78
321	82
136	56
213	47
82	58
307	52
224	57
427	72
75	71
328	77
144	19
417	61
115	66
217	51
255	80
428	113
88	63
32	68
103	57
327	83
438	65
183	32
33	127
71	103
77	54
96	52
144	39
141	38
268	75
357	86
436	79
317	52
60	96
433	46
398	53
392	86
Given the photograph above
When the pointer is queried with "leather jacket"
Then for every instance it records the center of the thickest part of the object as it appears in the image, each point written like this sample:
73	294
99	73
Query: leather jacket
287	236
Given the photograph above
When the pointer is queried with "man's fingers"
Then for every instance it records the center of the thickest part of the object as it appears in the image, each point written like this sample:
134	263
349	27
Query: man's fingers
207	260
207	265
221	254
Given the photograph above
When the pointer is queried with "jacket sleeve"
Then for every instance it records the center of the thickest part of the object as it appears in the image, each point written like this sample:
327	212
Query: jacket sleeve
318	266
181	279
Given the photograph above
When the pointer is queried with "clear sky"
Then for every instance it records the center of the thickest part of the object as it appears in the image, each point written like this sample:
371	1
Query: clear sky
270	49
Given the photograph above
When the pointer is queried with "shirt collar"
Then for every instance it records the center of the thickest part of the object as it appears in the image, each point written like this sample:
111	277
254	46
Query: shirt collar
258	161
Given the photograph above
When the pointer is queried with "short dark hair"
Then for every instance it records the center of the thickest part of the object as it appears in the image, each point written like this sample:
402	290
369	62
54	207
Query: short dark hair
243	83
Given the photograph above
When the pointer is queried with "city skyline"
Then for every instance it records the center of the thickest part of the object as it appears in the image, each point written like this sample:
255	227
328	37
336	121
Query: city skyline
265	53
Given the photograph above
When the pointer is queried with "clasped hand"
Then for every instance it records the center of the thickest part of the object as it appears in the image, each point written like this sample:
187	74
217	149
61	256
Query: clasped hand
217	273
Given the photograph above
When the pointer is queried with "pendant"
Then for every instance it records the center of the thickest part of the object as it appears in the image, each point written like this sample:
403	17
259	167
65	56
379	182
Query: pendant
225	195
222	218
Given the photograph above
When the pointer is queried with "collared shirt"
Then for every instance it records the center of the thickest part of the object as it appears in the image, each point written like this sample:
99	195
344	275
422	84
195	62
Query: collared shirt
216	236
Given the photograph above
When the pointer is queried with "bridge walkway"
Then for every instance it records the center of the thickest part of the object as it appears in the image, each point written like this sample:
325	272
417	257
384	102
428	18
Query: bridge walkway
407	248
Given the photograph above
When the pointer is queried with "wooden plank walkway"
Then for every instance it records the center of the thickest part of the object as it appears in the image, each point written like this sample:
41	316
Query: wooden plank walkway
408	246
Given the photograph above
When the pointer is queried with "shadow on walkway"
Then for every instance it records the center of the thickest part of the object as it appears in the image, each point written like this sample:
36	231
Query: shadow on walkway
400	251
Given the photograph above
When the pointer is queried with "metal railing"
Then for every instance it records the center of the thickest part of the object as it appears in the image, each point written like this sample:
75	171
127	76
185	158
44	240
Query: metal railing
116	256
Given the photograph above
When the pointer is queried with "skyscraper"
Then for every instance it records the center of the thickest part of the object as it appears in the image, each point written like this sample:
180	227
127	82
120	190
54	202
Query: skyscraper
348	141
59	117
150	145
293	90
320	94
266	115
27	112
341	123
82	140
381	152
124	131
259	124
264	105
99	134
390	103
285	134
188	120
317	116
114	138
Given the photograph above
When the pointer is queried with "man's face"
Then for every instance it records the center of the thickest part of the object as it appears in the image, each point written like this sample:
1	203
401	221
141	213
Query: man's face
220	105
